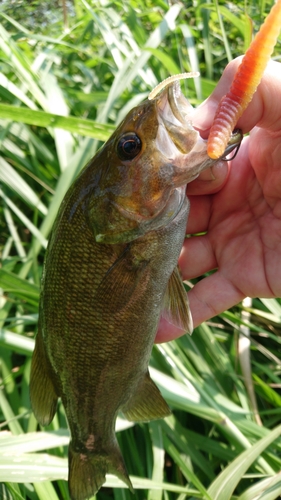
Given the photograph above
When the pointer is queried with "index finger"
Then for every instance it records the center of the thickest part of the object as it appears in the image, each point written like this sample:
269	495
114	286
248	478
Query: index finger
264	110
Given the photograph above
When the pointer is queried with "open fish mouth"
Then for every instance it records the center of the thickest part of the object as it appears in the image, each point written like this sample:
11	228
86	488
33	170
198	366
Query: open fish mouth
175	115
180	141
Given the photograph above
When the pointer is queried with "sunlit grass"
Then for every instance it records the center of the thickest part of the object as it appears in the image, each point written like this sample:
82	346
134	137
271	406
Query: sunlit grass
63	91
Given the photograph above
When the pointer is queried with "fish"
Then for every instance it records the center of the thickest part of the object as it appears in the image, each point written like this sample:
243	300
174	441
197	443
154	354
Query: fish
245	83
110	271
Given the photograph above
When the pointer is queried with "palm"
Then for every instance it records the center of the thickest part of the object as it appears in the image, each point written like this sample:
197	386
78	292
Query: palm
246	234
244	227
242	222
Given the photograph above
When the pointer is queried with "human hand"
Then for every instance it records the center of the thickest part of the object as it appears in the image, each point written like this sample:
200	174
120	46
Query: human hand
240	210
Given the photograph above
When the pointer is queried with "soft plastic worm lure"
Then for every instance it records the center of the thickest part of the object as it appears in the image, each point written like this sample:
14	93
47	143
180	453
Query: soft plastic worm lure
171	79
246	80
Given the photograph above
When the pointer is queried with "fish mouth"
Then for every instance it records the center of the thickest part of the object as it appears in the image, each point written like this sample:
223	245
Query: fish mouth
175	115
180	142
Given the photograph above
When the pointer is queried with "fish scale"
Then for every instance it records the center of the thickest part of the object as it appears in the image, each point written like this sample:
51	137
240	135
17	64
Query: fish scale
110	271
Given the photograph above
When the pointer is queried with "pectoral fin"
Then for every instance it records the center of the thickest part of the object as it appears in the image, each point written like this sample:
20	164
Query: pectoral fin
120	282
176	306
147	403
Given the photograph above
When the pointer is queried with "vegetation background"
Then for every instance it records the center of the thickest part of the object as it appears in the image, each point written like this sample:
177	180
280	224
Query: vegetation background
68	74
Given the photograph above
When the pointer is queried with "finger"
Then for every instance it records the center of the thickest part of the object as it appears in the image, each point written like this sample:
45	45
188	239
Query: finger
197	257
237	181
199	214
209	297
263	110
265	156
204	115
210	181
166	332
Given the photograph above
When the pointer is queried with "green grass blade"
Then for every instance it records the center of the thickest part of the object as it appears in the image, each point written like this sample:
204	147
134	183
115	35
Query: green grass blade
10	491
224	485
266	489
193	58
9	416
14	233
186	471
158	458
26	221
79	126
45	491
19	287
56	104
16	342
10	177
21	65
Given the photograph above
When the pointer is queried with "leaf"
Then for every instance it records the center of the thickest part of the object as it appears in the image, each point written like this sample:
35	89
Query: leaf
35	467
42	119
266	489
9	415
56	103
11	283
224	485
158	458
17	343
11	178
45	491
32	228
186	471
273	306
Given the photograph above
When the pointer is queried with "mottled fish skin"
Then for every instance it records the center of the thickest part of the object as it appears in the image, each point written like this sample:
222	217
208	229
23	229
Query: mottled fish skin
112	252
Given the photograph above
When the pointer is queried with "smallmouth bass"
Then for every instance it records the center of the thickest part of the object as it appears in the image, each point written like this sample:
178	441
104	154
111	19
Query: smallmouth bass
110	271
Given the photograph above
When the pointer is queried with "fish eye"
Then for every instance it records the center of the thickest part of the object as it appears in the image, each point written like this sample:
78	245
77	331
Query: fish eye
128	146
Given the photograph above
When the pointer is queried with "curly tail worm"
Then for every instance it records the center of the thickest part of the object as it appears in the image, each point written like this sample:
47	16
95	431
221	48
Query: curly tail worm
171	79
245	83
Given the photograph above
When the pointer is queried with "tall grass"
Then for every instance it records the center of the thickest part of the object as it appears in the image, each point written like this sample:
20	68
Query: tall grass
64	85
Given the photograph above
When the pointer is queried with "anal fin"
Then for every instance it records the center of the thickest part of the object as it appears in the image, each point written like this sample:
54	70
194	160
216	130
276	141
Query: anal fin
176	306
43	395
147	403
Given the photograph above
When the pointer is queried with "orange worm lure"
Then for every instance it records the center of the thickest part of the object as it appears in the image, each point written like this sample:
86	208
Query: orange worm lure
245	83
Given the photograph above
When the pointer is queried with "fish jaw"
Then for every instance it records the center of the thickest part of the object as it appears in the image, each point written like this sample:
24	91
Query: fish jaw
190	157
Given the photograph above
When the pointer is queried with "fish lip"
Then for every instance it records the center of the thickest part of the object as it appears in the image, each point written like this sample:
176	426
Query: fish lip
170	107
174	93
176	135
181	142
174	109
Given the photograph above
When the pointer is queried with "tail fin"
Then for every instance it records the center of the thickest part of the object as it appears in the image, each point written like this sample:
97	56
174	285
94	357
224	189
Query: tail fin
42	391
87	470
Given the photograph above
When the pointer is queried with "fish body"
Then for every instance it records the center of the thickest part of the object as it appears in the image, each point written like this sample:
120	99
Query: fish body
110	270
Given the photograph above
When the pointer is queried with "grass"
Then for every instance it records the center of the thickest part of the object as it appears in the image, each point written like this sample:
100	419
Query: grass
64	85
